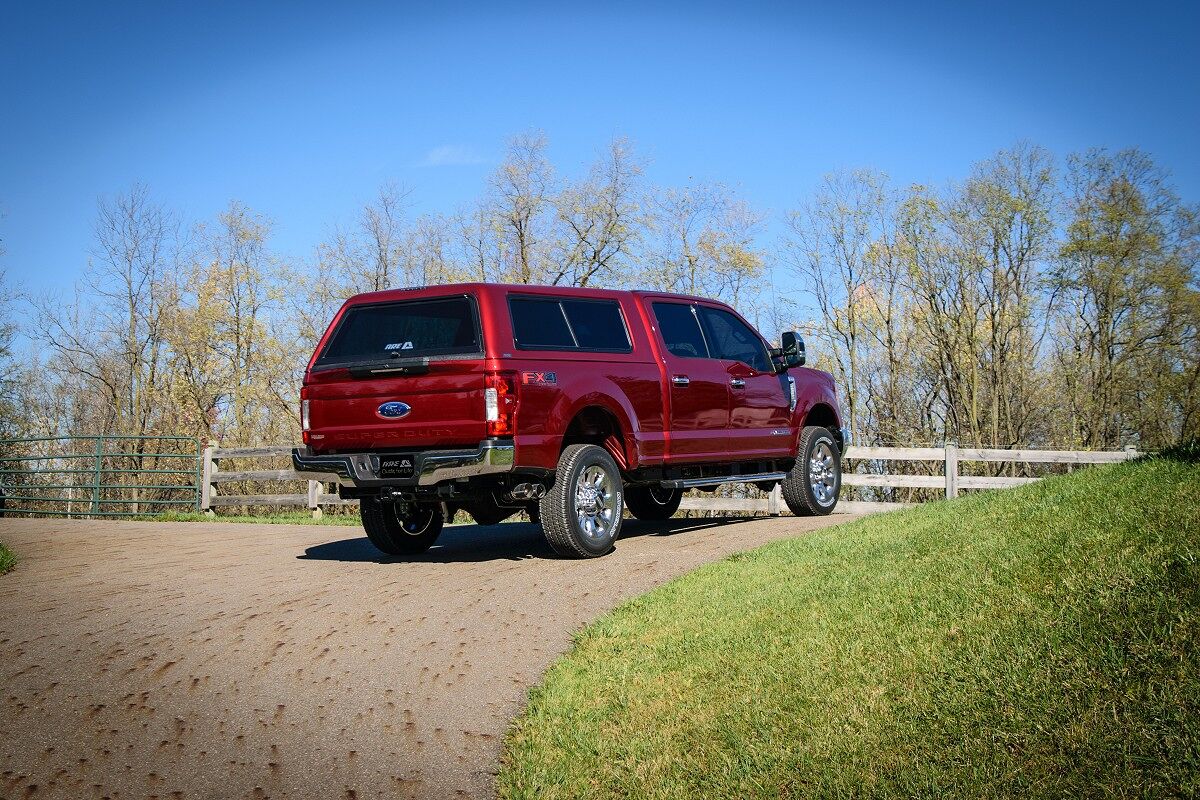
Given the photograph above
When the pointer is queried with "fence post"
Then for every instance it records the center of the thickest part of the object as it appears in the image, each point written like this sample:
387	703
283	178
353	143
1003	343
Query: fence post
209	466
951	470
314	491
96	480
773	500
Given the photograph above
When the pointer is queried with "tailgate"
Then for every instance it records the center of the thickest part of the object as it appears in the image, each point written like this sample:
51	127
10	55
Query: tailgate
442	408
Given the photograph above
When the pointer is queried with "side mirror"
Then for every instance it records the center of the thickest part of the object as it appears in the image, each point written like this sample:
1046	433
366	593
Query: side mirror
792	349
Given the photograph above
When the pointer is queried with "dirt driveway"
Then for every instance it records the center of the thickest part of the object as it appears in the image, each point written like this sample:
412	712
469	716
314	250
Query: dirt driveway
188	660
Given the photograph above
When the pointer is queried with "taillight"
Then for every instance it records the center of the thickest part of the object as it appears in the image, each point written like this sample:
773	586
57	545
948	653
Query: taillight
304	419
500	403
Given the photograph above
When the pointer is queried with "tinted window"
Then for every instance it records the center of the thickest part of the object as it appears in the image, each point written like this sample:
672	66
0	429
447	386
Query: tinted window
732	339
539	323
407	330
680	331
597	324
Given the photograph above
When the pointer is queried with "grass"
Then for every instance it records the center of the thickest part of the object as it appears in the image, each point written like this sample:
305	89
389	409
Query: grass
7	559
1035	642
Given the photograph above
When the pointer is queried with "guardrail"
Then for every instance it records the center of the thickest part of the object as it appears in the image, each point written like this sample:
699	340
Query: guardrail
100	475
949	482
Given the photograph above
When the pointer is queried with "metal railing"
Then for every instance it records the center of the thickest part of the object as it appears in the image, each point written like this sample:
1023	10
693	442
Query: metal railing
871	459
100	476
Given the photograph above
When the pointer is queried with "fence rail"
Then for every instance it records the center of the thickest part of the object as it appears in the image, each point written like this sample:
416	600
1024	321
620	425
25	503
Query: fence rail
100	475
949	482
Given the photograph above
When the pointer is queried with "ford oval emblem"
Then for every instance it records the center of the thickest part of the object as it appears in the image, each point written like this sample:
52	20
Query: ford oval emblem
394	409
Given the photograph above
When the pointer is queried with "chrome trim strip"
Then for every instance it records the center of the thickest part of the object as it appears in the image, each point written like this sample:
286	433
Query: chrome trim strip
689	483
439	466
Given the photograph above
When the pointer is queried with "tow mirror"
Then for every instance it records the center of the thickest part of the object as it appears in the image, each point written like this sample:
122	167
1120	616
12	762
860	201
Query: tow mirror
792	349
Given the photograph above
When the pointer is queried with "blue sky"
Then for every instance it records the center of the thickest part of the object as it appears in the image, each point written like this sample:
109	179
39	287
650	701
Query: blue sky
301	111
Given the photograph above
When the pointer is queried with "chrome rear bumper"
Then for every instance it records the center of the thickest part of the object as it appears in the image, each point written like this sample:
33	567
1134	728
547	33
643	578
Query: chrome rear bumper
423	468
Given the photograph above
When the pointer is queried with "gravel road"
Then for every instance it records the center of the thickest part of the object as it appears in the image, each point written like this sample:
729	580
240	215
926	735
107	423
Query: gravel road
219	660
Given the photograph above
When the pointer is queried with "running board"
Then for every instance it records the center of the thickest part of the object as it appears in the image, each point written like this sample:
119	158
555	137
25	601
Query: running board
695	483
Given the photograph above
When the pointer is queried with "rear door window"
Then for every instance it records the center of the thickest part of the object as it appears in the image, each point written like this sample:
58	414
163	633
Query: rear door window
733	340
680	330
549	323
409	329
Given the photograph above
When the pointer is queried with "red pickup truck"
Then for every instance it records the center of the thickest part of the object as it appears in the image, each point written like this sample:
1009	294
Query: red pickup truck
573	405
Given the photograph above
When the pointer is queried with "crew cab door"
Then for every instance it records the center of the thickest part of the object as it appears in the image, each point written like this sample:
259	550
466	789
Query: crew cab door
759	405
696	387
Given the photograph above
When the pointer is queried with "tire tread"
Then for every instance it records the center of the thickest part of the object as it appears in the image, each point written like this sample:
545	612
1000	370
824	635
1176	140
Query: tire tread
556	507
795	489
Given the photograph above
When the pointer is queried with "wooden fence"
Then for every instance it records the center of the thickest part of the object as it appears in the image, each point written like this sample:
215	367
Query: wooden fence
316	492
313	498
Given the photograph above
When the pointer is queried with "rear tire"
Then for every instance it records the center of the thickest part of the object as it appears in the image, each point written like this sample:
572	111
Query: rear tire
400	529
652	503
581	514
812	487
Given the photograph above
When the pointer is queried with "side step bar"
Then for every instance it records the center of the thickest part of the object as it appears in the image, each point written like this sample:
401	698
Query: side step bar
693	483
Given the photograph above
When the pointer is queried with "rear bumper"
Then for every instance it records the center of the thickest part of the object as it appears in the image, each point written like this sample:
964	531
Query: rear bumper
425	468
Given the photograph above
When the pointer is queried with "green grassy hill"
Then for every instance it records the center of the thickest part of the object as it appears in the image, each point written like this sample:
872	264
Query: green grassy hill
1035	642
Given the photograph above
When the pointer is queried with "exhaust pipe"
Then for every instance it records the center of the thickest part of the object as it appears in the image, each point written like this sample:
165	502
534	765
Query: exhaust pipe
527	491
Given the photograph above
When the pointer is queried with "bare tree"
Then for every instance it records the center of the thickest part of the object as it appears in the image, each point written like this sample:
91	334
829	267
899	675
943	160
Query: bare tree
601	219
113	332
480	240
521	192
705	243
1127	272
833	243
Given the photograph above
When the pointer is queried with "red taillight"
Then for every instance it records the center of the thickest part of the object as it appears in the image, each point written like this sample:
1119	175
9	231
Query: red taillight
304	420
500	403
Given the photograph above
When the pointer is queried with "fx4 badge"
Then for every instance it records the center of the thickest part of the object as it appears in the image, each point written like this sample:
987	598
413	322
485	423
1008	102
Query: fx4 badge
539	378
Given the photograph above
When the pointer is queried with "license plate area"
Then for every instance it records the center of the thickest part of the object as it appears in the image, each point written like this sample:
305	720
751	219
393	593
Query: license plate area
397	466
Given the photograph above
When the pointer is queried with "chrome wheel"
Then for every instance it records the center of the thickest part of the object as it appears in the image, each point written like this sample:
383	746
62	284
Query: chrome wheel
413	520
822	473
595	504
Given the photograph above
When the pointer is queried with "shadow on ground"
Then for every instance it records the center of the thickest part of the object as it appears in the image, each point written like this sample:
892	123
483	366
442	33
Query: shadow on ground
511	541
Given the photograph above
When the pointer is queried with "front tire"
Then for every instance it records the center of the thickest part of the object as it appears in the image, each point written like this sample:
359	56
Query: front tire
581	514
400	529
652	503
813	485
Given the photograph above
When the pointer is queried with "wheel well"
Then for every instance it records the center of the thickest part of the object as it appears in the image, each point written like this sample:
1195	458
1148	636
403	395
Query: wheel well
596	425
823	415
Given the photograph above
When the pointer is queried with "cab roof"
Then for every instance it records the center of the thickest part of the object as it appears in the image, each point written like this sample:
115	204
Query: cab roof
480	288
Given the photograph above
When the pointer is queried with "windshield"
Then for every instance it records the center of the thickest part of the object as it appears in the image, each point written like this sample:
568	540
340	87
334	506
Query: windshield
409	329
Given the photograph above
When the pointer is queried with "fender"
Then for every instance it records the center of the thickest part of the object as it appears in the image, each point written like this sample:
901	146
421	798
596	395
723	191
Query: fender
814	389
614	401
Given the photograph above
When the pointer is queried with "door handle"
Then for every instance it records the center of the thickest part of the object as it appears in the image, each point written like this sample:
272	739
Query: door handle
680	380
737	383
